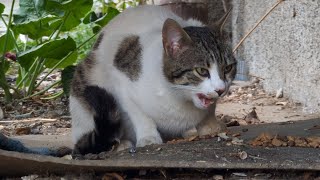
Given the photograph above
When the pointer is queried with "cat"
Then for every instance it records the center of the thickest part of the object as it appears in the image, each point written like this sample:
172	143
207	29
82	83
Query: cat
150	75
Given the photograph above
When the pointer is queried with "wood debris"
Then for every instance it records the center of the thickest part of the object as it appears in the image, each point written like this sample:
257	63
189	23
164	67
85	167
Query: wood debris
267	140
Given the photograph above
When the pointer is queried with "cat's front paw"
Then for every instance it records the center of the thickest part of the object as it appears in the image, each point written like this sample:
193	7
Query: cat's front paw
148	140
124	144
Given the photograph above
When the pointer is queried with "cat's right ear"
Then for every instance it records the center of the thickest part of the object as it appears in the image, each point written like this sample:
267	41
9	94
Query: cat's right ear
175	40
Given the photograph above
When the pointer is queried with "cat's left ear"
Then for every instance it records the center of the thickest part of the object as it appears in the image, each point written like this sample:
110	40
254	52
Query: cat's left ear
174	38
222	21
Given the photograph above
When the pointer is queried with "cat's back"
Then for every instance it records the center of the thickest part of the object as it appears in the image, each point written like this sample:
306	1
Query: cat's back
144	22
133	33
140	20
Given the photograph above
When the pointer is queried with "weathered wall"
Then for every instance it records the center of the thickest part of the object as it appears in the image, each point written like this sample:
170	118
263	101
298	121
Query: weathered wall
284	50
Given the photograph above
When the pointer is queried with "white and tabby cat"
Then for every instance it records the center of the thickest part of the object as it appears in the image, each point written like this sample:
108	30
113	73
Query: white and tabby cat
150	75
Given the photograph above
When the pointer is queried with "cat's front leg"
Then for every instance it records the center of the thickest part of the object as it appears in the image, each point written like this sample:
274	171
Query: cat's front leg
146	132
145	128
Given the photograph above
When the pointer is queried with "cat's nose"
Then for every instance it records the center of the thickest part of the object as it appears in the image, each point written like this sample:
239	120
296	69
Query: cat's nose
220	91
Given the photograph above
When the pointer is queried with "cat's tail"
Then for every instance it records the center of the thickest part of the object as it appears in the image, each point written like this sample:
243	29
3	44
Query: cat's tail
10	144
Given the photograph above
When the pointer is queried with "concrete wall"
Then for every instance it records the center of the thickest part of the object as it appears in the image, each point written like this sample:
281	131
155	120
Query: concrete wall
285	48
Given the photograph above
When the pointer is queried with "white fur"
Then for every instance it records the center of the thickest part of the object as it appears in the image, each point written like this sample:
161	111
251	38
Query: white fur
82	122
151	102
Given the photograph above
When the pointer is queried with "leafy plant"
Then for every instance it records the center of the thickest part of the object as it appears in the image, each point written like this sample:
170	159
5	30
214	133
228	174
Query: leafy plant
49	25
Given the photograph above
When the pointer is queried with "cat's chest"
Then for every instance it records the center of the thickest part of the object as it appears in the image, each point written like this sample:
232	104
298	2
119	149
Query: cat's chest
168	111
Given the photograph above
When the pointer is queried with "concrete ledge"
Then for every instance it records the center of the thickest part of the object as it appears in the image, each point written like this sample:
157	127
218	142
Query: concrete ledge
204	154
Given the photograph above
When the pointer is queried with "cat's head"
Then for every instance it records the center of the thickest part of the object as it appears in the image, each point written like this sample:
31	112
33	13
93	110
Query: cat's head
198	62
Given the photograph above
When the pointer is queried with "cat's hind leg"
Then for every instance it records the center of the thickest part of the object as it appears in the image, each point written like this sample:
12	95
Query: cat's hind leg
82	119
96	121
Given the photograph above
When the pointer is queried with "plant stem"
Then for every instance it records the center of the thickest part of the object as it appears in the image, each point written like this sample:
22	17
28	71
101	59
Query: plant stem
42	91
15	41
34	77
7	33
54	95
57	31
26	74
5	86
256	25
3	81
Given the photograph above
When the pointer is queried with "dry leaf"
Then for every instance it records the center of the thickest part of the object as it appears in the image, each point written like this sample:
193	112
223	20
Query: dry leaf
223	136
242	122
23	131
239	174
276	142
265	139
281	103
236	135
68	157
252	117
112	176
233	123
192	138
217	177
237	141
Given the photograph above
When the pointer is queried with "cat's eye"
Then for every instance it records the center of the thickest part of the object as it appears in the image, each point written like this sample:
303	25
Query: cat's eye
203	72
228	68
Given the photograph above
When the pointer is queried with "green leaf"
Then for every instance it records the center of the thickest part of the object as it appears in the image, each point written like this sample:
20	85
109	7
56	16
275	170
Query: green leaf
55	49
66	61
36	28
33	19
66	78
90	17
30	10
6	66
96	28
73	11
1	8
112	12
10	42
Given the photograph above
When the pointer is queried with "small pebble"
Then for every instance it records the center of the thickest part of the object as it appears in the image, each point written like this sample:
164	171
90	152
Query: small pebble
217	177
279	93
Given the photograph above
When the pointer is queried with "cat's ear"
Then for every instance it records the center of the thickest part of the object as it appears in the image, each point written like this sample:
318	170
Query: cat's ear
222	21
174	38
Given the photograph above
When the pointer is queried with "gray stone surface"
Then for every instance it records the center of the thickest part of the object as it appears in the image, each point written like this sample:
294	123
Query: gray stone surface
284	50
204	154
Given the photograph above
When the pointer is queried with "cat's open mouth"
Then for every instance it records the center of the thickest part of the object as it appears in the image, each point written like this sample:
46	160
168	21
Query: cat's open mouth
205	100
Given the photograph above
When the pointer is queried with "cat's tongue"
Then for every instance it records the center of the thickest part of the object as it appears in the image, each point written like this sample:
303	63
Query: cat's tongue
206	102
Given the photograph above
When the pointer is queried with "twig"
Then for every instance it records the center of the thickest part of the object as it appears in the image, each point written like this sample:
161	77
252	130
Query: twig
245	37
224	4
28	120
